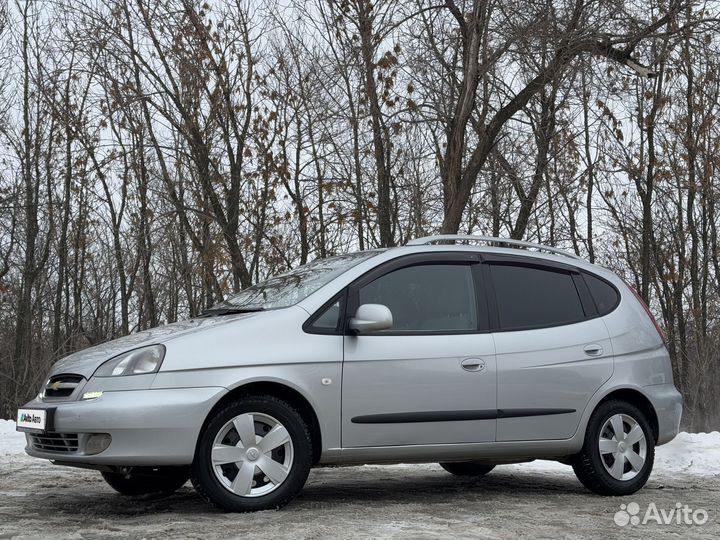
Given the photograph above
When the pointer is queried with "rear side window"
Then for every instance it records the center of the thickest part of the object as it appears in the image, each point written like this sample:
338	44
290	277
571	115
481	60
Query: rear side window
605	295
426	298
530	297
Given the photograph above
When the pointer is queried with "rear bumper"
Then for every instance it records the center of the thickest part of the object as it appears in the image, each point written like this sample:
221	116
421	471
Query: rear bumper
148	427
668	404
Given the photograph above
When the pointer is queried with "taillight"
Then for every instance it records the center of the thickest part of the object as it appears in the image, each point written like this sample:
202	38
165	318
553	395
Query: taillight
649	313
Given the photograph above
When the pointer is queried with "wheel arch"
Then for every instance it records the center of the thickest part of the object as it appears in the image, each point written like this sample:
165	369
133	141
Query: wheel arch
282	391
640	400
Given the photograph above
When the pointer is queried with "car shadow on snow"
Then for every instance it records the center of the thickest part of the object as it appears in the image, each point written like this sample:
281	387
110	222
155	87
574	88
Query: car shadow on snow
329	485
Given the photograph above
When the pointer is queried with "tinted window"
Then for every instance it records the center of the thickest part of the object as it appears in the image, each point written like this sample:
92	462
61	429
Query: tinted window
426	298
531	297
604	294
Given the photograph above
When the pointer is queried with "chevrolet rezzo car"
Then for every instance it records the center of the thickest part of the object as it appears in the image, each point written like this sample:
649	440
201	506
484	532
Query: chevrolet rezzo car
472	354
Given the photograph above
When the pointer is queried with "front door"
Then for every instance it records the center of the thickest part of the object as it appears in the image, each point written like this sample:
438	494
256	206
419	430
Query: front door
431	378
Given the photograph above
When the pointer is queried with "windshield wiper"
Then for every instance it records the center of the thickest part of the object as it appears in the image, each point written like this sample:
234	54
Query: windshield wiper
216	312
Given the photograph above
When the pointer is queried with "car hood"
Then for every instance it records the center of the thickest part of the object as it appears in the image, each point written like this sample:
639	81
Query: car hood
85	362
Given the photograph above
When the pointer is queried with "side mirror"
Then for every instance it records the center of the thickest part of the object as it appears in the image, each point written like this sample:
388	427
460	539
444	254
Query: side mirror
371	318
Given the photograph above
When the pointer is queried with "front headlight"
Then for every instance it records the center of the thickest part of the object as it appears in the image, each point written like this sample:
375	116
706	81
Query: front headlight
137	362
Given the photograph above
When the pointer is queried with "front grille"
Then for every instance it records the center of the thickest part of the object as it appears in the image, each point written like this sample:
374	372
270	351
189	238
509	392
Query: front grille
55	442
60	386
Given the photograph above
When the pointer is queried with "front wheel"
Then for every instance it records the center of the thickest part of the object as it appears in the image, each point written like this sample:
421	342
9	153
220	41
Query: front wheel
467	468
141	481
254	454
619	450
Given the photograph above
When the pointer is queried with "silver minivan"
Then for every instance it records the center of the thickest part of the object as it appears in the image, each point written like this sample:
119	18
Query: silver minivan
468	351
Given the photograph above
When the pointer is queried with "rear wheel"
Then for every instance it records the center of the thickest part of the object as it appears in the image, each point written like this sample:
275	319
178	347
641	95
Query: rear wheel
141	481
619	450
254	454
467	468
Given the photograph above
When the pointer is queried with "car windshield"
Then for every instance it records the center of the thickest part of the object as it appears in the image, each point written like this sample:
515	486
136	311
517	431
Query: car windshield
290	288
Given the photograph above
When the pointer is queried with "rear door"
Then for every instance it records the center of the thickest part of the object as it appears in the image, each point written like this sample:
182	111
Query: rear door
430	379
553	352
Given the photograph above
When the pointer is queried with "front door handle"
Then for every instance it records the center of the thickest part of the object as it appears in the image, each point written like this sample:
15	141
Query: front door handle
593	349
473	364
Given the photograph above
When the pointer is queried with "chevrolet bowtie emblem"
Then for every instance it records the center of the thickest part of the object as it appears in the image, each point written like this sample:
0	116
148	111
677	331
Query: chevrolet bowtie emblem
55	386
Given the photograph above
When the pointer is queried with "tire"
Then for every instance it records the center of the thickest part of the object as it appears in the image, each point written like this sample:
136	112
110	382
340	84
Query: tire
273	473
467	468
163	480
619	469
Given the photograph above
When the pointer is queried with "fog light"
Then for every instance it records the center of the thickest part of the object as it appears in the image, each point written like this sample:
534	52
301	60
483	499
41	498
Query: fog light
91	395
97	442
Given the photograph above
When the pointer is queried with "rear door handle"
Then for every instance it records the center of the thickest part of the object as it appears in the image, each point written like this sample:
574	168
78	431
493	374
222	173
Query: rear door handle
593	349
473	364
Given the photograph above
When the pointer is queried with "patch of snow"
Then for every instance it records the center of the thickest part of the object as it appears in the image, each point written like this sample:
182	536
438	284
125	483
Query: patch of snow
7	426
11	442
542	466
692	453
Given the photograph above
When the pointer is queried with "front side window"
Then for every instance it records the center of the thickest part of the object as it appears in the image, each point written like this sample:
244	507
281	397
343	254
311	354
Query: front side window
530	297
426	298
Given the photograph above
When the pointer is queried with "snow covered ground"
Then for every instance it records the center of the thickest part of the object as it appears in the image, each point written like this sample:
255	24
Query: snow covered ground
541	499
11	442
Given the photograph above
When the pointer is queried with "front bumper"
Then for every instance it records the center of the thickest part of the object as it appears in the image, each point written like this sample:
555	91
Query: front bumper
148	427
668	404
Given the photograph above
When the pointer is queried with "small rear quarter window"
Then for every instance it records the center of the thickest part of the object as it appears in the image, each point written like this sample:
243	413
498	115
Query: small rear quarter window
605	295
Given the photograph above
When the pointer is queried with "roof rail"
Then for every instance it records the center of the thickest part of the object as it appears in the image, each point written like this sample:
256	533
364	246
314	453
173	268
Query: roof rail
501	242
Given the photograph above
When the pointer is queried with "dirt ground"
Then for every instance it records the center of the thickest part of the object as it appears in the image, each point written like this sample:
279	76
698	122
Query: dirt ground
39	500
